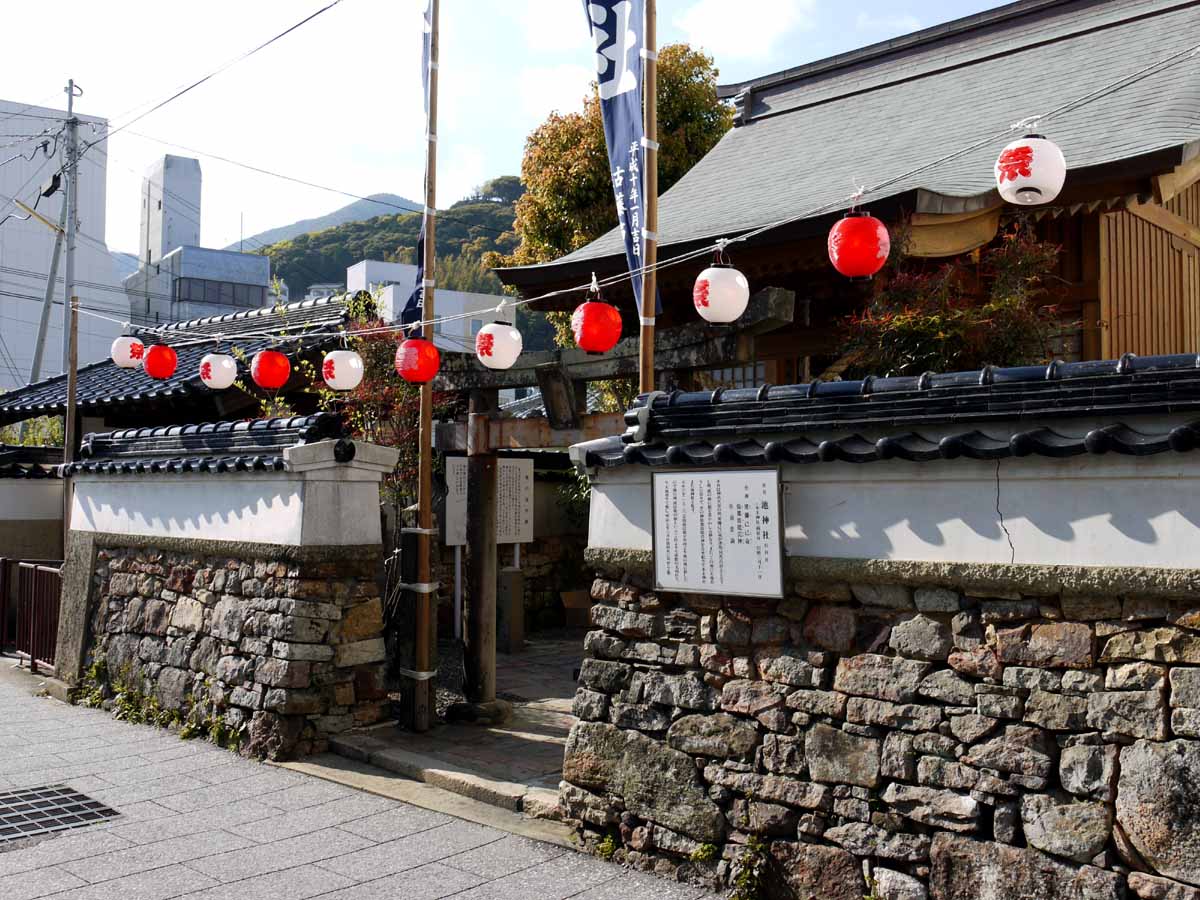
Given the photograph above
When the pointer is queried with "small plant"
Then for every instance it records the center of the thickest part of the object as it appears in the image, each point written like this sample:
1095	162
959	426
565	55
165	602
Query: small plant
872	890
704	853
606	848
750	874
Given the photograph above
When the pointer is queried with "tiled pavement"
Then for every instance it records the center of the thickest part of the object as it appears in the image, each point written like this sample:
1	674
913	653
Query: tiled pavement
198	822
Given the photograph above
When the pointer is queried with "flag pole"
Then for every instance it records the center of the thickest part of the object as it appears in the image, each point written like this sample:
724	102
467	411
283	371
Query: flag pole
425	624
650	193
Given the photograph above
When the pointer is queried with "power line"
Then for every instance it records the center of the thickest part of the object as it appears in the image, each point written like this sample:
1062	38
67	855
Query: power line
441	214
212	74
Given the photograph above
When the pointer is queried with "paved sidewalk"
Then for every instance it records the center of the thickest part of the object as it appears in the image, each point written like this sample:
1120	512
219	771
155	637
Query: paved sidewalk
199	822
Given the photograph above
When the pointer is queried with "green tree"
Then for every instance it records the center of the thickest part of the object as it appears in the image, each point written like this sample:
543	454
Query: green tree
505	189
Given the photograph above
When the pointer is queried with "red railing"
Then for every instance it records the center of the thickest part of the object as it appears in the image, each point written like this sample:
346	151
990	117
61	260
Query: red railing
29	602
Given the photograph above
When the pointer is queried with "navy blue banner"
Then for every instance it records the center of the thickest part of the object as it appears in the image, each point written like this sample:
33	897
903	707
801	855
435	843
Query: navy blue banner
617	28
414	309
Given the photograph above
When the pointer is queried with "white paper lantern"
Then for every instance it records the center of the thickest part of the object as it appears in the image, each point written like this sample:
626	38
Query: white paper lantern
721	294
497	345
127	352
1030	171
218	371
342	370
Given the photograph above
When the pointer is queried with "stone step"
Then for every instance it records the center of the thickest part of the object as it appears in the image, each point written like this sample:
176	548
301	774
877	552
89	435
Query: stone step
533	801
366	777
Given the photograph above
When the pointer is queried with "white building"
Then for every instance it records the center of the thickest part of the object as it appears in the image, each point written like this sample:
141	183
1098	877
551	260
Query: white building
27	246
177	279
396	282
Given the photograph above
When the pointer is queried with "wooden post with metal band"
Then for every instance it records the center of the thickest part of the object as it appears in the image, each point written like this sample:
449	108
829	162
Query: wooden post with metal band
422	709
650	193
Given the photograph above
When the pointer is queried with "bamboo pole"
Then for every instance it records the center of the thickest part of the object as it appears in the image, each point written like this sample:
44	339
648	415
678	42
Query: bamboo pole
426	624
650	192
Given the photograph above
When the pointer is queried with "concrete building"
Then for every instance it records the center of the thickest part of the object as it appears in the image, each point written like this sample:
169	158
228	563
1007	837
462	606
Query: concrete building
26	245
396	281
177	279
170	207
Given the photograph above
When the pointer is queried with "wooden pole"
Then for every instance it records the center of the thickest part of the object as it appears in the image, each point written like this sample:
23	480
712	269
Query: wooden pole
480	685
650	192
426	624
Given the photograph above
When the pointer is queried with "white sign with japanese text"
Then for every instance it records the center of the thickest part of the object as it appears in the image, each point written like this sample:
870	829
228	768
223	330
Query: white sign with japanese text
514	501
718	532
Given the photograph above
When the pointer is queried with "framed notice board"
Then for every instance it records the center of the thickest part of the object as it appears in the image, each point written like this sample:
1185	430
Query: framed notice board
718	532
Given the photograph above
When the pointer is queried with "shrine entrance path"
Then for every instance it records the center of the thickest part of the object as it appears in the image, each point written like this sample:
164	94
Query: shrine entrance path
516	766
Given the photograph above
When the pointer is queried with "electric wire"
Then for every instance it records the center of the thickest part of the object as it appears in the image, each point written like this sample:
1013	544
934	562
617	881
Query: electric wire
195	84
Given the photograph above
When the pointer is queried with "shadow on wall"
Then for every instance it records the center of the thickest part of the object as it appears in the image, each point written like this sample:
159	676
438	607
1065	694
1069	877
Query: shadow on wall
1046	520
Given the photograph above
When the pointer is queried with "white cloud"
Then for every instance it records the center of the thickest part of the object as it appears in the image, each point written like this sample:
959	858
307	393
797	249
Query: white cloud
748	29
545	89
895	23
554	26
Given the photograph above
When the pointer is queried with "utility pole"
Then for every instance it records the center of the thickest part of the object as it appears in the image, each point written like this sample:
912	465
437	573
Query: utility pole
425	624
71	306
39	348
650	193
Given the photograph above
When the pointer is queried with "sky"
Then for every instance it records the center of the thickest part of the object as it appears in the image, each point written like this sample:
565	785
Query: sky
338	101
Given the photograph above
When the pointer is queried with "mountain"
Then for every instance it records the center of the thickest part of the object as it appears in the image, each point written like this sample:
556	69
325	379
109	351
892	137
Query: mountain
467	230
357	211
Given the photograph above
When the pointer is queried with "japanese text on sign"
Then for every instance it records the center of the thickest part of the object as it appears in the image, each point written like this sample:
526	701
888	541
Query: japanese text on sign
514	501
718	532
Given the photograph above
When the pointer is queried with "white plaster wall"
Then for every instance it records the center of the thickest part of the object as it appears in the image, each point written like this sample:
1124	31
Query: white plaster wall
28	499
1089	510
281	508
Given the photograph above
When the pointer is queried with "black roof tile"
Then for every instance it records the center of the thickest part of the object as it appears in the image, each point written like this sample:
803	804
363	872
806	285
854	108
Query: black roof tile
255	445
104	386
825	422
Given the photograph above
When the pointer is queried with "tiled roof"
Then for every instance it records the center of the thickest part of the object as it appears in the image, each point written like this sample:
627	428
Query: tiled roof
989	414
29	462
104	386
254	445
531	406
813	133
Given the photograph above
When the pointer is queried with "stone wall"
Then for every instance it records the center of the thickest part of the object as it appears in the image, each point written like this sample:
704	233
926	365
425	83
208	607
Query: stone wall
273	648
952	743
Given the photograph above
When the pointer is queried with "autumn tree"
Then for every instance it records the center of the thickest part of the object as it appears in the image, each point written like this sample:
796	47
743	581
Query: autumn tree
568	200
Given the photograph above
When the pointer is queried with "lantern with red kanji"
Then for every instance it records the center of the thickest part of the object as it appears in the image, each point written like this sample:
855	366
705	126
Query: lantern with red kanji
859	245
497	345
417	360
721	294
596	326
1030	171
127	352
160	362
218	370
342	370
270	369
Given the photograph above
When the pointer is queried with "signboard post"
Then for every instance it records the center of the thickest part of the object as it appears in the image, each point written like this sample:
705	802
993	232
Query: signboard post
514	513
718	532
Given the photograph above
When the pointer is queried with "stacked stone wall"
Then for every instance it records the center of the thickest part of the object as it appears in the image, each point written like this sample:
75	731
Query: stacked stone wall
272	652
938	743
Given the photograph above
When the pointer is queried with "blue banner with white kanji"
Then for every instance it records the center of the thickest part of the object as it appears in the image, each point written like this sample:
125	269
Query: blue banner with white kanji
617	28
414	308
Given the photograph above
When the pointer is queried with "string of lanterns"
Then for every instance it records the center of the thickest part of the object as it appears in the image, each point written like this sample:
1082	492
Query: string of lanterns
1028	172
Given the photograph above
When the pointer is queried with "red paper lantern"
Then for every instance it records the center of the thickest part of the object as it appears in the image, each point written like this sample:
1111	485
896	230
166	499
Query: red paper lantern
270	369
417	360
859	245
596	326
160	361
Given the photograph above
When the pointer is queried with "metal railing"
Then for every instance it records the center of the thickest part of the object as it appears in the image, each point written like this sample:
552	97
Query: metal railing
29	602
